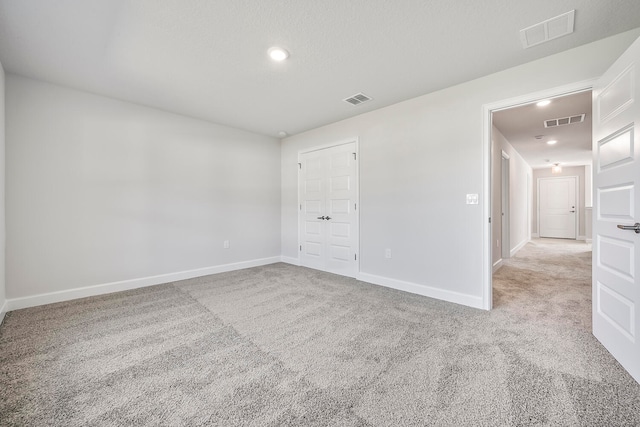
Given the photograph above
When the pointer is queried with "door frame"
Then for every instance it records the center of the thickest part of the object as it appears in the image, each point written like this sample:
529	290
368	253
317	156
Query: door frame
487	110
352	140
577	202
505	223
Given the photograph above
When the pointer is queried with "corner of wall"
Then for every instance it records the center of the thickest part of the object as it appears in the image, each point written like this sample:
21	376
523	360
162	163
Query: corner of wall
3	298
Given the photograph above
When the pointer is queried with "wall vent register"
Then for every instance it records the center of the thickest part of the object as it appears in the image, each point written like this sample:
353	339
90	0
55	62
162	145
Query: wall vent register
563	121
357	99
550	29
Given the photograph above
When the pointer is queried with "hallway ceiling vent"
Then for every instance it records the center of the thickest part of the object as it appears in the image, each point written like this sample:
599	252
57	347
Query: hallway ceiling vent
563	121
550	29
357	99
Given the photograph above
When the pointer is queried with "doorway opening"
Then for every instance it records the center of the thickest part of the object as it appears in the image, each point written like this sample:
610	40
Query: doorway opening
521	147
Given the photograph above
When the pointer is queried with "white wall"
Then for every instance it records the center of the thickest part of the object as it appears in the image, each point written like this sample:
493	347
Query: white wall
3	307
578	171
520	178
418	160
102	191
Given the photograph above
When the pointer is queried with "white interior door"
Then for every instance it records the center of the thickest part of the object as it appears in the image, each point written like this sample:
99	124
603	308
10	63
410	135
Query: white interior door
557	207
616	180
328	210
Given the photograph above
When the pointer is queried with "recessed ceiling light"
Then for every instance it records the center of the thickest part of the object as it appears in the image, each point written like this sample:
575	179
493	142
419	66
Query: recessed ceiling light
282	134
278	53
552	141
543	103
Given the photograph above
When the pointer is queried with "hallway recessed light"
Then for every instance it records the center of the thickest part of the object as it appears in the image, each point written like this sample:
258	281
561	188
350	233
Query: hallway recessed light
552	141
543	103
278	53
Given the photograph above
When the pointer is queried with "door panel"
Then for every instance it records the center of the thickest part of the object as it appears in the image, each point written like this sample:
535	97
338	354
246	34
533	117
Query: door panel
616	202
328	191
557	207
616	149
616	252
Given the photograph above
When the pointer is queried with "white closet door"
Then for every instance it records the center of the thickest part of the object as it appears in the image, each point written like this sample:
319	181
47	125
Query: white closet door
328	210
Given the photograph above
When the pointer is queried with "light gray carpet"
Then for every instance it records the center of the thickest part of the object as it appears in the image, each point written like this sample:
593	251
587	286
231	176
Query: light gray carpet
281	345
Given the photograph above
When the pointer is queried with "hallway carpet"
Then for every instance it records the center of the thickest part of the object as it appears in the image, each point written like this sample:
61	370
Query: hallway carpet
281	345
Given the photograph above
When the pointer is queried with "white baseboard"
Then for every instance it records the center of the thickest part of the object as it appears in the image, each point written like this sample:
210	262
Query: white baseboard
126	285
589	240
582	238
497	265
535	236
519	246
290	260
428	291
3	311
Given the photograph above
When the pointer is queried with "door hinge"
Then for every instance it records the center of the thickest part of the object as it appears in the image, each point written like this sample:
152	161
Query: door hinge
300	207
300	165
300	248
354	156
355	257
489	220
355	206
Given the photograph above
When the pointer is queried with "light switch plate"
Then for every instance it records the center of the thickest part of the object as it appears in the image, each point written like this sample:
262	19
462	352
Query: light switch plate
472	199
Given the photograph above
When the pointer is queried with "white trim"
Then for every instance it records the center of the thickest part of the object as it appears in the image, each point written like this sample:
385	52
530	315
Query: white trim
3	310
290	260
328	145
589	240
487	109
505	206
427	291
518	247
497	265
582	238
535	236
126	285
487	238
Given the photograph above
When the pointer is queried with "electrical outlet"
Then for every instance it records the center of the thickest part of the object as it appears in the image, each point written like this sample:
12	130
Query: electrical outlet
387	253
226	244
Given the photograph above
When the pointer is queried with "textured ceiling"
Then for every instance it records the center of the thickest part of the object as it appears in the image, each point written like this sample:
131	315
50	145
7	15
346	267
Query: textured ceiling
521	125
207	58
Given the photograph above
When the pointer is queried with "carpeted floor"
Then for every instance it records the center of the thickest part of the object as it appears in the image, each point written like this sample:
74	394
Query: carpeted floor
282	345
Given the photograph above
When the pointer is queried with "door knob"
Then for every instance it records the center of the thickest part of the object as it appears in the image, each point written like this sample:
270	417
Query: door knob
330	218
635	227
571	211
321	217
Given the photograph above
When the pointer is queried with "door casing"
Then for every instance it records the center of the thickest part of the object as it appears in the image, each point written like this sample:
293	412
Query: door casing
505	211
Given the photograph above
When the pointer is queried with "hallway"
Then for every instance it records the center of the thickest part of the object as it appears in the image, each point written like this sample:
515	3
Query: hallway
547	279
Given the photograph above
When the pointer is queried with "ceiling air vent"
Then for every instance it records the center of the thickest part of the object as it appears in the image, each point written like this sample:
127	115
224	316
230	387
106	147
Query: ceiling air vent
357	99
563	121
547	30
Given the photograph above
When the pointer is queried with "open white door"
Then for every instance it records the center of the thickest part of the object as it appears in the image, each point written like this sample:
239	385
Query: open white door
616	180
